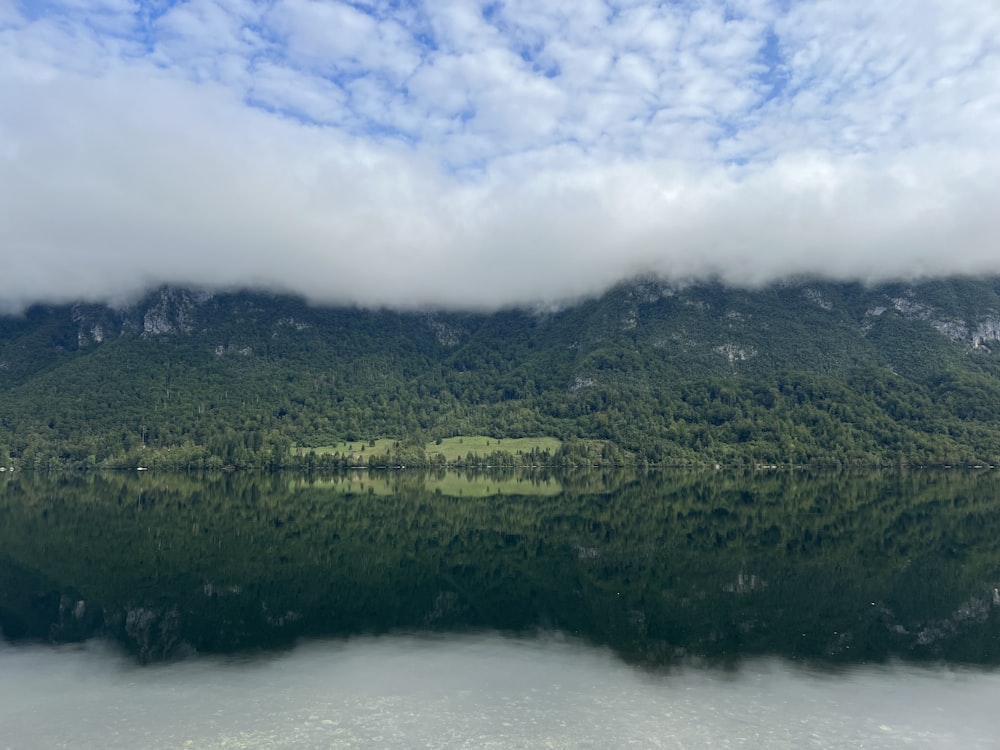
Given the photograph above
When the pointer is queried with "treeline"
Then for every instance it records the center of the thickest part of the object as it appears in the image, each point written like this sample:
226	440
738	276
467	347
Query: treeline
873	417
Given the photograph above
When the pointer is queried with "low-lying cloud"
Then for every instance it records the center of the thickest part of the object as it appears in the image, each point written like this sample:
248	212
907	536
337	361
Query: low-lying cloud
475	155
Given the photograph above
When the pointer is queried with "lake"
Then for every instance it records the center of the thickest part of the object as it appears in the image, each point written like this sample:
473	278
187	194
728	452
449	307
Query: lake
679	610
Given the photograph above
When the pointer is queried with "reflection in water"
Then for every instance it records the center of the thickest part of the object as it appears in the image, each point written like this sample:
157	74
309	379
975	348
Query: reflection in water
834	569
478	692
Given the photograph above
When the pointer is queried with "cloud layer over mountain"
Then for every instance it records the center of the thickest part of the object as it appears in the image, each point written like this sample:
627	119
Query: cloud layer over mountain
478	154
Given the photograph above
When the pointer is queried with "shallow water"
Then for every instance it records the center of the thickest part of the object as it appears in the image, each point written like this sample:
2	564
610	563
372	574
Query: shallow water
478	691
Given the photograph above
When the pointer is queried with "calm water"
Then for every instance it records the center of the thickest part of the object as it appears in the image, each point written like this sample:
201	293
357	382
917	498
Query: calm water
677	611
479	692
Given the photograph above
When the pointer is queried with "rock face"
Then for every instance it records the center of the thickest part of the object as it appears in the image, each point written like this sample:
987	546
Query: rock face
817	298
166	312
94	324
696	309
735	353
447	335
154	634
987	331
172	313
75	619
976	329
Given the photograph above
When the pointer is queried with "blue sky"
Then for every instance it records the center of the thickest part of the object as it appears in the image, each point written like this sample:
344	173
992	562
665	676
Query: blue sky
481	154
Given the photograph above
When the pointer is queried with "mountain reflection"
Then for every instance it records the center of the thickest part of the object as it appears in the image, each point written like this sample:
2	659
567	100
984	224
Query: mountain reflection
664	568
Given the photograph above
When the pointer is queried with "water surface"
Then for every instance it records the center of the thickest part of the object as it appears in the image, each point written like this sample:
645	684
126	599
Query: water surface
483	691
410	610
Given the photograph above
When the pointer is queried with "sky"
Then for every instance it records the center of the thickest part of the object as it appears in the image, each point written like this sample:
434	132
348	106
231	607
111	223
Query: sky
477	155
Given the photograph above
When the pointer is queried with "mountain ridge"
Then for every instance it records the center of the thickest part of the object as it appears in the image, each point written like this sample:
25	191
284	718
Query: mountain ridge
796	372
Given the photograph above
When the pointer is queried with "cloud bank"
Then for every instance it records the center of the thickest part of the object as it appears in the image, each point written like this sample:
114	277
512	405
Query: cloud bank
473	154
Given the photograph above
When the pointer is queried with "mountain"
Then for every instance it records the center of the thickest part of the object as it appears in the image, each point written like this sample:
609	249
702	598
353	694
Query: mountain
651	372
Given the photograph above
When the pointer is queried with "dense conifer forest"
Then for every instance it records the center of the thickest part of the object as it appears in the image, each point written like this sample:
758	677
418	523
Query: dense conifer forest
650	373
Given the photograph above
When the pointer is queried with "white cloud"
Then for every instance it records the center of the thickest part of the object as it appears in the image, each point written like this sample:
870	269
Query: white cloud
466	154
303	95
335	36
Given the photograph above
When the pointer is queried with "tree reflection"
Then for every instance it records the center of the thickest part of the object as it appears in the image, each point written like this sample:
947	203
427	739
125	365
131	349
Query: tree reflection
665	567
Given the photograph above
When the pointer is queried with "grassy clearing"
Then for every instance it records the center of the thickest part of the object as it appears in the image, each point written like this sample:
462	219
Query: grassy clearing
455	448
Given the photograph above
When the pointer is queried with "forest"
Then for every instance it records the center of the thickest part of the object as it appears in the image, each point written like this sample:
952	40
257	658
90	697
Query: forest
804	373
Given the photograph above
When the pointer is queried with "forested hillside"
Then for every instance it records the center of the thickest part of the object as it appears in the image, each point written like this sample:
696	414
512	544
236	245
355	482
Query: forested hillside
809	372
